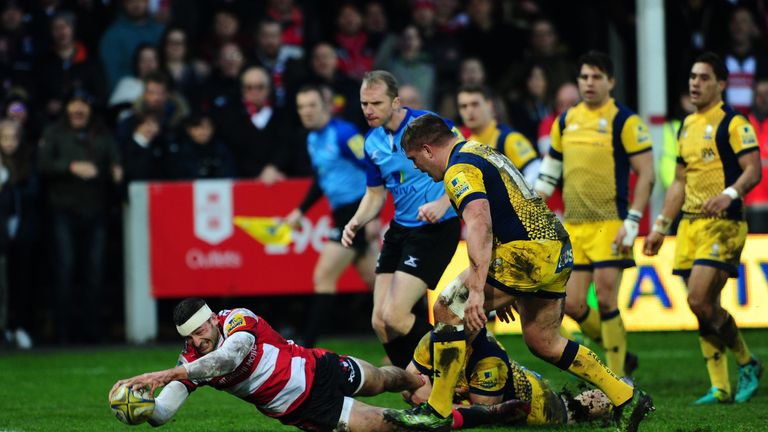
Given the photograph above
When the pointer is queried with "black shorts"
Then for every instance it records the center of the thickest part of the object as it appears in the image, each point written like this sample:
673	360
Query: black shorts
336	377
341	217
423	252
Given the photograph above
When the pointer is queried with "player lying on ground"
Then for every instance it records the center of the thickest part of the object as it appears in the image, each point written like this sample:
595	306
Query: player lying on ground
238	352
489	377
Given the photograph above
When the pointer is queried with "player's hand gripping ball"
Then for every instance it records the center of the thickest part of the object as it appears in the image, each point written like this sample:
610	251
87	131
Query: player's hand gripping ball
132	406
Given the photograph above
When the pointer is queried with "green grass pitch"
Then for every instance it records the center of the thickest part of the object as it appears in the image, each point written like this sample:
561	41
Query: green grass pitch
66	390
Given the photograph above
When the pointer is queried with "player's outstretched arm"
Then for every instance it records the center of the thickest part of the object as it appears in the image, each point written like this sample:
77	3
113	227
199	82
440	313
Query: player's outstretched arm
168	402
369	207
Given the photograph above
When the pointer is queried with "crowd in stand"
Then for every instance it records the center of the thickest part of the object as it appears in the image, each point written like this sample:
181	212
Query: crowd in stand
96	94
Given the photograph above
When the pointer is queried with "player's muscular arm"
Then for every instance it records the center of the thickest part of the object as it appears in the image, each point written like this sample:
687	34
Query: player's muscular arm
432	211
369	207
642	165
477	216
673	202
223	360
749	178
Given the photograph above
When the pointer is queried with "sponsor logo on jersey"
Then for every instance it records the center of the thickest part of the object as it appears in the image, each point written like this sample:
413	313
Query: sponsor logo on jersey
642	134
747	136
489	379
708	132
235	323
715	253
602	126
459	185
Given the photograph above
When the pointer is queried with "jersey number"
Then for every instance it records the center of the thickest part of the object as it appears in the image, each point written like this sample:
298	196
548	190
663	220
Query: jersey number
503	163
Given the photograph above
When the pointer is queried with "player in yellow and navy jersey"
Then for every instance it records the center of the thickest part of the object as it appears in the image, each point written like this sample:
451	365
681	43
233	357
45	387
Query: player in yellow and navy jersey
594	145
477	113
718	162
518	253
489	378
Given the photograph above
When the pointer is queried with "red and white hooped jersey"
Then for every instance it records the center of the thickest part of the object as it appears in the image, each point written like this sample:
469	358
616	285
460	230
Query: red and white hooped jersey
276	375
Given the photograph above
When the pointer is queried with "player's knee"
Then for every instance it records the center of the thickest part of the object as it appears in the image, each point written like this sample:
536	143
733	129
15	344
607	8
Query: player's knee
378	324
574	306
542	347
393	316
700	307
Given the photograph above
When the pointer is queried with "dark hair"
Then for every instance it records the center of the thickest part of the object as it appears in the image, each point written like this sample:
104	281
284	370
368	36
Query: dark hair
597	59
158	77
196	119
476	88
428	128
137	54
384	77
185	309
717	64
164	42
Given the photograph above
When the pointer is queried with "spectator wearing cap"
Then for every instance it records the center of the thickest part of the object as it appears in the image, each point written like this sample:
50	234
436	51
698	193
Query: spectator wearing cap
131	28
79	162
67	65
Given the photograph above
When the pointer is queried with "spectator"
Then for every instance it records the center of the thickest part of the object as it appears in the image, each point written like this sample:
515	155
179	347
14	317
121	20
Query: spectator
757	199
531	106
441	47
471	73
223	86
23	227
745	60
147	135
265	147
412	66
226	29
79	160
566	97
17	108
17	47
131	28
291	20
355	55
67	66
482	36
381	41
449	16
410	97
346	92
544	50
177	61
203	155
146	60
281	61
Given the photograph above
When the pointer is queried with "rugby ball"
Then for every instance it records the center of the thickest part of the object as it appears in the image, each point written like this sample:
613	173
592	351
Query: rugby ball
132	406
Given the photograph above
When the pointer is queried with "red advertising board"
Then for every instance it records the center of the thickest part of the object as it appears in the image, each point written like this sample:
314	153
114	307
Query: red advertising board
197	249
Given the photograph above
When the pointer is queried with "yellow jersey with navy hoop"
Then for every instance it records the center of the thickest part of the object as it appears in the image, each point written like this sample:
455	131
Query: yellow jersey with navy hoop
595	147
709	146
509	142
531	251
488	371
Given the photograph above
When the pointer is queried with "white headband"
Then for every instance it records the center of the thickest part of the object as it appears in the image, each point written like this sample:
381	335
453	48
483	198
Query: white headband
199	318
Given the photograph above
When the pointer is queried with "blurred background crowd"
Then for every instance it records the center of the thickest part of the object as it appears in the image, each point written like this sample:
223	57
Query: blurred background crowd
99	93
